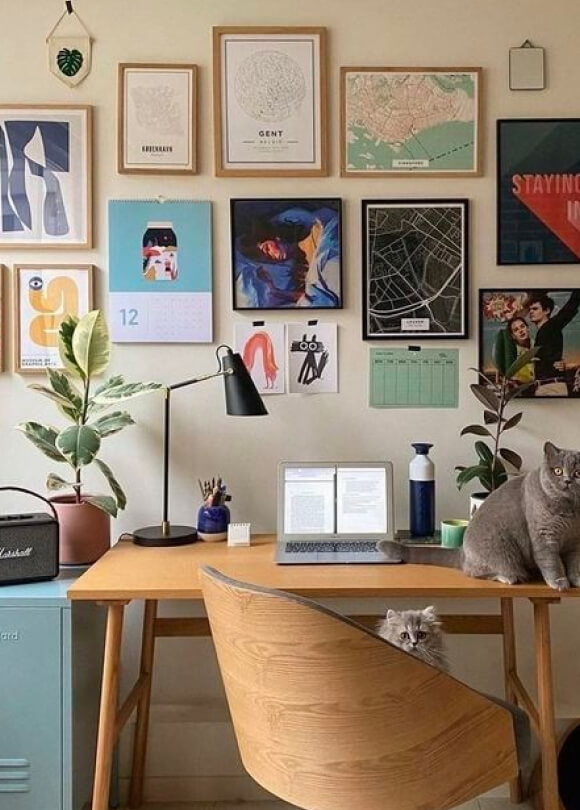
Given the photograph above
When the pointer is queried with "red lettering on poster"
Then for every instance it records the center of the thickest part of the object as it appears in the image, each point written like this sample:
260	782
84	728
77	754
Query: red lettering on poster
555	200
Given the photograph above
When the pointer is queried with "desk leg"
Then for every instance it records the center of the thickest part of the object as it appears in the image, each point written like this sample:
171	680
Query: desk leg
142	722
108	707
510	666
550	797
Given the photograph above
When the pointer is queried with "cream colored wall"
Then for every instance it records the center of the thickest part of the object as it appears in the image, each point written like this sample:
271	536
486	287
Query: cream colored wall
366	32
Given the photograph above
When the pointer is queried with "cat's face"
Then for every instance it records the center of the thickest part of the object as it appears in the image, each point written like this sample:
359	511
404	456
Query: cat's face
414	631
560	472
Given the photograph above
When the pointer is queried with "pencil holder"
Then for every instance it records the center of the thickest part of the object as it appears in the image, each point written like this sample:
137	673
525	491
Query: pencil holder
212	523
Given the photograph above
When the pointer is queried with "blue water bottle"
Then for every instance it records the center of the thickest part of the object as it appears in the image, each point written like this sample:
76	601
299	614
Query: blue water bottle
422	492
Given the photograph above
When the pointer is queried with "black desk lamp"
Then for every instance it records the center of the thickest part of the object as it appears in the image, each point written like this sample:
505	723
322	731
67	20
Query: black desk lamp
242	399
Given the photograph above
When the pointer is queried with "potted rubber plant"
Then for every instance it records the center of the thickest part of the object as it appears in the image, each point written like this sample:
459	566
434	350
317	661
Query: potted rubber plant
495	462
84	518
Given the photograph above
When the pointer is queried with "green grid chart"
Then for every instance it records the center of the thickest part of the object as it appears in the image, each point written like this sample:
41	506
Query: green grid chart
414	378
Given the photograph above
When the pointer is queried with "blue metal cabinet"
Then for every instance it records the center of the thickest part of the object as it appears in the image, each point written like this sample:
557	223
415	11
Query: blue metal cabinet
50	666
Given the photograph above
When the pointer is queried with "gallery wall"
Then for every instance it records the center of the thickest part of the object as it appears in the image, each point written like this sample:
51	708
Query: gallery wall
299	427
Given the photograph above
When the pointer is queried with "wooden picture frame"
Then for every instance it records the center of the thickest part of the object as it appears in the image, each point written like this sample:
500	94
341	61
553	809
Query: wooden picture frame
286	253
157	118
58	214
449	144
415	269
514	319
54	291
270	101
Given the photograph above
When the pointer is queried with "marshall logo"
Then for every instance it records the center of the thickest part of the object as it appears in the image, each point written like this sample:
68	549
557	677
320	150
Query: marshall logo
12	553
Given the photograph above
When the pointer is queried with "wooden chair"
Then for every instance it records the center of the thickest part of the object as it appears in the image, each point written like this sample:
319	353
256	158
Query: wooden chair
329	716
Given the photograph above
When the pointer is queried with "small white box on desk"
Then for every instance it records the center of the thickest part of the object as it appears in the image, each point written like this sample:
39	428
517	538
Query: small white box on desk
238	534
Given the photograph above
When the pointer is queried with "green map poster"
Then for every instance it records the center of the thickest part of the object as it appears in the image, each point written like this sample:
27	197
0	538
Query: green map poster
410	121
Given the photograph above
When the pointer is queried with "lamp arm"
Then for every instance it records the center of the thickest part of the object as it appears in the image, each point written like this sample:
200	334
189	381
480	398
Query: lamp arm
203	377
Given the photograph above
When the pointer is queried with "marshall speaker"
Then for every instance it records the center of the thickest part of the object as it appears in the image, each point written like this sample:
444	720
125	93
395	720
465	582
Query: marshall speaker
28	544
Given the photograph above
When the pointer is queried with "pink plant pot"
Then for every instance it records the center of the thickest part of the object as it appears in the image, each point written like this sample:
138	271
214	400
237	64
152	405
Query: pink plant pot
85	530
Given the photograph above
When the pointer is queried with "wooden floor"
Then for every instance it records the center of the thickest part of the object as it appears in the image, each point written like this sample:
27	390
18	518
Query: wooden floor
477	804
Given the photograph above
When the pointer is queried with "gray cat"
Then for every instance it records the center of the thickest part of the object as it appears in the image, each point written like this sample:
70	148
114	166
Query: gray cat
527	527
418	632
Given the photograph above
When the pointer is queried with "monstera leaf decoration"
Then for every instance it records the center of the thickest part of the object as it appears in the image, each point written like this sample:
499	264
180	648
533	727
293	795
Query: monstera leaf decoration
69	61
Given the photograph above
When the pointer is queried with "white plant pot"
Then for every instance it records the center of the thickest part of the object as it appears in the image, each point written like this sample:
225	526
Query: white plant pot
475	501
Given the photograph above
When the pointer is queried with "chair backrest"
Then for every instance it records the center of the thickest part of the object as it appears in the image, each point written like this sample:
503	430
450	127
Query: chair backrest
328	716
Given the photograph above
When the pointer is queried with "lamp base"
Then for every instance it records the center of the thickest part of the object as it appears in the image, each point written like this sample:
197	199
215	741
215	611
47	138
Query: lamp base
153	536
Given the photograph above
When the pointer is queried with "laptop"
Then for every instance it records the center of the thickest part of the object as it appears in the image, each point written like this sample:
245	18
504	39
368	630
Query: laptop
334	511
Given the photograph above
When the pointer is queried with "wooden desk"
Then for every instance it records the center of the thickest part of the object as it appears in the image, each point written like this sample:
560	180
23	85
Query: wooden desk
130	572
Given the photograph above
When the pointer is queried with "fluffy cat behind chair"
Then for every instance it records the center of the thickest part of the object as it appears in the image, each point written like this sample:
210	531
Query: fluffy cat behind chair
527	527
418	632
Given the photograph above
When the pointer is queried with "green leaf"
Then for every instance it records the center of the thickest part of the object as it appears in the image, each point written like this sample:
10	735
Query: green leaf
498	474
512	458
61	401
513	421
520	362
79	444
484	453
42	437
113	483
54	482
65	349
485	396
112	382
112	423
503	351
119	393
469	473
62	385
490	418
105	503
517	392
91	345
476	430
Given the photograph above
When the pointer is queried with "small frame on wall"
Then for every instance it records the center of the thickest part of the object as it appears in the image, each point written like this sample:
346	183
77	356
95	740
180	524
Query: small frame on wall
410	121
538	186
157	119
287	253
415	269
512	321
45	176
44	295
270	115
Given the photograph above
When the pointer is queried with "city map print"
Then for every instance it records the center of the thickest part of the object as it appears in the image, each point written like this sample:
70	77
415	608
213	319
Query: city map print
410	121
414	269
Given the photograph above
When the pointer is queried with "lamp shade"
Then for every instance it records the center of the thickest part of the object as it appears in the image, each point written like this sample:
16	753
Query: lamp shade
242	397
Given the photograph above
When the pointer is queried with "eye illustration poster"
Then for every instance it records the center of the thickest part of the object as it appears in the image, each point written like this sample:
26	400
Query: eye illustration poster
160	271
312	358
263	352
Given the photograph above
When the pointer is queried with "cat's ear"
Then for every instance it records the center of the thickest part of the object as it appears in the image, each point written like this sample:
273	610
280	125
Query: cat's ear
550	449
391	614
429	613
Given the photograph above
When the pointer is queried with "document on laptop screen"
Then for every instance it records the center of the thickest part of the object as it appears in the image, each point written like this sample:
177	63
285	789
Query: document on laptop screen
309	500
361	503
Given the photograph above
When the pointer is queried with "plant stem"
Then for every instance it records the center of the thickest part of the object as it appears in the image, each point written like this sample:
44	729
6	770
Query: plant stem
78	485
498	430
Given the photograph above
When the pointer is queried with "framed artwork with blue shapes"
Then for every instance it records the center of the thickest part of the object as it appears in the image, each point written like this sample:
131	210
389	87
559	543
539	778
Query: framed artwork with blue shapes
45	176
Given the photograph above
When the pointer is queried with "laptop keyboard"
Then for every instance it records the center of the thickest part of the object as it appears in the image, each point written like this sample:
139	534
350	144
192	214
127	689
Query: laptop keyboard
343	545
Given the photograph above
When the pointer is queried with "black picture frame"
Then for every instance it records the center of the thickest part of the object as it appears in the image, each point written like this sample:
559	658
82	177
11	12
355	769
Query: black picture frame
286	253
423	263
538	175
500	309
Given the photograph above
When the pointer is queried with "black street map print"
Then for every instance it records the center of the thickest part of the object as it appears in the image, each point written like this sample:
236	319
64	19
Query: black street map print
415	269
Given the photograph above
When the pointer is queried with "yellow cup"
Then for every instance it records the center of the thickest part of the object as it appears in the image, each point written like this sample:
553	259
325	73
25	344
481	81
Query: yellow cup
452	532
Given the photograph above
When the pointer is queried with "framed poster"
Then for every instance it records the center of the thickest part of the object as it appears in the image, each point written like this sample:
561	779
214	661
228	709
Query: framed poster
160	271
44	296
538	189
512	321
157	112
45	176
270	102
410	121
415	263
286	253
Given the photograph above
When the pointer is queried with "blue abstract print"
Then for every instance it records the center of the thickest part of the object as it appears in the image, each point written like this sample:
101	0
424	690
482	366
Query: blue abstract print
34	149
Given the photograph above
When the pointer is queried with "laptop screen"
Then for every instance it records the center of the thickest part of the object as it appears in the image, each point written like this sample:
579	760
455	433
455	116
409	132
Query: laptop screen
335	499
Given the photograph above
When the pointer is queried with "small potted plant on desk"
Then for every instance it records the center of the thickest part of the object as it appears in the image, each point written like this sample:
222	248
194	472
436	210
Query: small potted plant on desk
84	519
213	516
495	463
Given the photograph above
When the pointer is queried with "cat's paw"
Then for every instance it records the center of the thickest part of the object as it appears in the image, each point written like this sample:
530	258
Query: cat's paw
506	580
560	584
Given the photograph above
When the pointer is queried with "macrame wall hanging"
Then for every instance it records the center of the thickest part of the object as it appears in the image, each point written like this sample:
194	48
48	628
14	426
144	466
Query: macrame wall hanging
69	48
